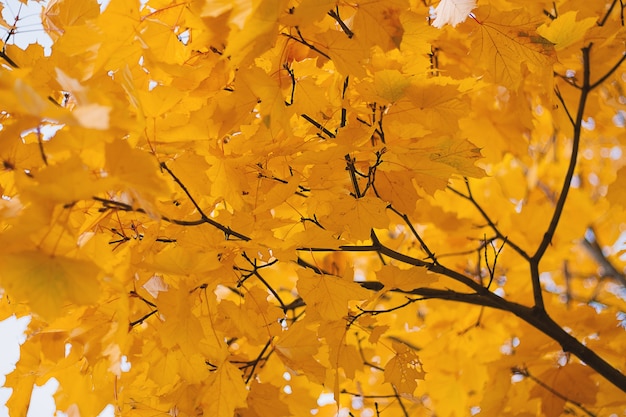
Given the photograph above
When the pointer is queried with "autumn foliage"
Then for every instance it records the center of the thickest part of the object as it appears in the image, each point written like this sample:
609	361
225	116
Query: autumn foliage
230	208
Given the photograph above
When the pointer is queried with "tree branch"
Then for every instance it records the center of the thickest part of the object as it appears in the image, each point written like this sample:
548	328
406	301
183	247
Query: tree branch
538	319
584	93
567	182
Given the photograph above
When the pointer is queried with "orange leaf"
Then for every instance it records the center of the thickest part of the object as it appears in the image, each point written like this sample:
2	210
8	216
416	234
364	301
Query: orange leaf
404	369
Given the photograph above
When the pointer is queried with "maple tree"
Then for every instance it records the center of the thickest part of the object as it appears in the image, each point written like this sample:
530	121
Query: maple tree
230	208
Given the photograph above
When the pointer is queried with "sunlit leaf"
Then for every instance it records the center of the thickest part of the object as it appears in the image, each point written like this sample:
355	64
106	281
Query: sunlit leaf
565	30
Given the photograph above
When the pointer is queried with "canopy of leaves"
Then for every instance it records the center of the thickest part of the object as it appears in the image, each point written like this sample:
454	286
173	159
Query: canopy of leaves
230	208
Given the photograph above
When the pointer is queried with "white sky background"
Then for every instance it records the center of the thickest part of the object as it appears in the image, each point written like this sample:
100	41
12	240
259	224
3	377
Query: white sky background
27	21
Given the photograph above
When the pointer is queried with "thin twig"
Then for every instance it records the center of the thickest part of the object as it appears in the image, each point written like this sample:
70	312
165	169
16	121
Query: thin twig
228	232
335	15
469	197
258	359
305	42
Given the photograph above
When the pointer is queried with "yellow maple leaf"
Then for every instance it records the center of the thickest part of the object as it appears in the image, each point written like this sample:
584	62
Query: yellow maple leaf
297	348
437	103
298	342
160	31
307	12
397	188
134	170
388	86
329	295
417	36
59	14
504	46
48	283
565	31
573	380
346	53
181	327
358	215
68	181
377	22
405	279
404	369
258	33
617	190
267	400
225	392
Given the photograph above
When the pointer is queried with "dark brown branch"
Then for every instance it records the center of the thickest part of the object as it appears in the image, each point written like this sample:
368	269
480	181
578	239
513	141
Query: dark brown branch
134	293
354	394
608	13
364	360
558	210
404	410
586	87
344	111
109	204
335	15
536	317
42	152
141	320
388	310
9	61
318	125
352	171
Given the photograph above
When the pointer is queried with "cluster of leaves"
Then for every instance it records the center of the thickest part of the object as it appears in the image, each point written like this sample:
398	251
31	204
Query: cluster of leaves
255	202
